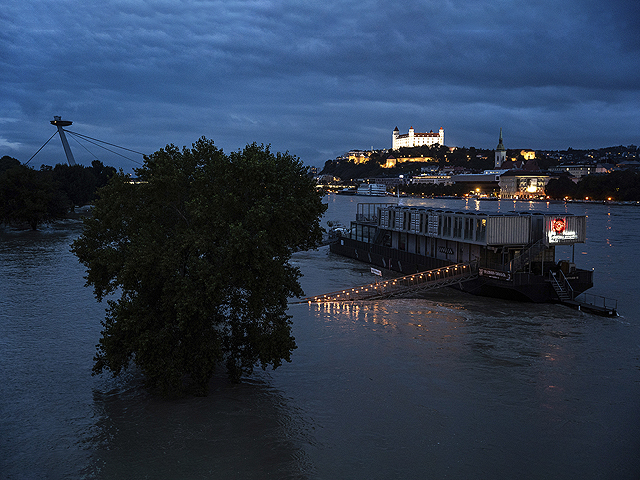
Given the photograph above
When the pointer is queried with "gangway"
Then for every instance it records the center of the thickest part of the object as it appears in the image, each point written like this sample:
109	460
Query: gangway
417	282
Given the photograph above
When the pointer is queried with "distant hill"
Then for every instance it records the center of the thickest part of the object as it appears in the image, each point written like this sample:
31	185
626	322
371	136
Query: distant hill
471	159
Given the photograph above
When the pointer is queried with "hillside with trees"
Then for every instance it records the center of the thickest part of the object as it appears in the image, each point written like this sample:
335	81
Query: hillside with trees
470	159
621	185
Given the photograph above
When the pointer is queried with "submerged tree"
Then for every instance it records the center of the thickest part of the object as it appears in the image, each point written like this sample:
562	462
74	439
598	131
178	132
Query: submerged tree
198	252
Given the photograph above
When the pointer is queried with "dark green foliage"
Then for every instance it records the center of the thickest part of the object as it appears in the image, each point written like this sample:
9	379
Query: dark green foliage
619	186
349	170
559	188
441	156
7	162
101	174
36	197
77	182
199	253
29	196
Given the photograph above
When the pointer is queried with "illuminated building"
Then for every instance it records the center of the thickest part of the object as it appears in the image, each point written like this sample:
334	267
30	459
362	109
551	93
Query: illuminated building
413	139
521	184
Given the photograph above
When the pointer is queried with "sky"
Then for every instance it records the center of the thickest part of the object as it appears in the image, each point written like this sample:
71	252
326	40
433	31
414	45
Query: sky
316	78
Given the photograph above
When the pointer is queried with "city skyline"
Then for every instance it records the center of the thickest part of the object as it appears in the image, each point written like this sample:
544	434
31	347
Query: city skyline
317	79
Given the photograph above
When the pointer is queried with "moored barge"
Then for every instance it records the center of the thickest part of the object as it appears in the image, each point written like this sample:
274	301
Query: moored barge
514	253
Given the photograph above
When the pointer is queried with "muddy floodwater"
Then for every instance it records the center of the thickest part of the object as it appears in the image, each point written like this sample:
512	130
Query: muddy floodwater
445	386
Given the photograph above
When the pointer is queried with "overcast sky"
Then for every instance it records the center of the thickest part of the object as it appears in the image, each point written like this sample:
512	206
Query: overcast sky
316	77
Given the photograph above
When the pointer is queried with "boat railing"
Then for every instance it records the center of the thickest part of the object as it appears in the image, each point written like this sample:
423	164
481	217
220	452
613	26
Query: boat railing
561	283
598	301
368	212
501	267
435	278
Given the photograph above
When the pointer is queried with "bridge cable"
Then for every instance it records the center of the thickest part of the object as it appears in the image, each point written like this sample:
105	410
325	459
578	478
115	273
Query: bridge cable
102	141
85	137
89	151
45	143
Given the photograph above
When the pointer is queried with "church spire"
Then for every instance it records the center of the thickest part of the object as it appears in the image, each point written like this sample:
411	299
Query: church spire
501	153
500	146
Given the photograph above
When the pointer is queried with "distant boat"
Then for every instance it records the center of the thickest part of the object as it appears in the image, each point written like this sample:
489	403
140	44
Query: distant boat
347	191
372	189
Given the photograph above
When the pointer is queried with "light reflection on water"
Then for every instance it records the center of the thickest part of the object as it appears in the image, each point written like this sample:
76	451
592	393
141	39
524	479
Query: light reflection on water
238	431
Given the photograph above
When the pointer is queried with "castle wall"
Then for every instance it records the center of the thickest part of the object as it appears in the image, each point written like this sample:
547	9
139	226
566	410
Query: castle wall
413	139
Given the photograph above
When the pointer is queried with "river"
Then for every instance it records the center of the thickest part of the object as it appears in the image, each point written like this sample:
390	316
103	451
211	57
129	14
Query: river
447	386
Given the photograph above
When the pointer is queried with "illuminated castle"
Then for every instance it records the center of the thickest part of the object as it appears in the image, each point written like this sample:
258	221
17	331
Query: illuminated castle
413	139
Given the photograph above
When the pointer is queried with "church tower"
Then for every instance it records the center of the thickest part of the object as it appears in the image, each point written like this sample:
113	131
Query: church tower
501	152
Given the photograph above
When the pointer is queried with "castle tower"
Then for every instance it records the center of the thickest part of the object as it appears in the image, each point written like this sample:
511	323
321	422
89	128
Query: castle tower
501	153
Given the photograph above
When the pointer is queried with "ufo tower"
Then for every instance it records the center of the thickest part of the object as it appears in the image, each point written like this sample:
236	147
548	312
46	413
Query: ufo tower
58	122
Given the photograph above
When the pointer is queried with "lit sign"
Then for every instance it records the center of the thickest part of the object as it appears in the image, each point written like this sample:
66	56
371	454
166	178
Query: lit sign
558	231
496	274
559	225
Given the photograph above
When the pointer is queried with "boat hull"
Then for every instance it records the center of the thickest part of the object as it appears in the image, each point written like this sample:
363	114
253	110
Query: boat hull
519	286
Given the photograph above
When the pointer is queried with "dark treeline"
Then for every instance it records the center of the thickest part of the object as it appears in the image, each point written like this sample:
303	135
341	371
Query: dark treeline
619	186
33	197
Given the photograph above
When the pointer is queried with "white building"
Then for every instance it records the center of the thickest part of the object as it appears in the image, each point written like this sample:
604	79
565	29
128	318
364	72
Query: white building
413	139
426	179
520	184
578	171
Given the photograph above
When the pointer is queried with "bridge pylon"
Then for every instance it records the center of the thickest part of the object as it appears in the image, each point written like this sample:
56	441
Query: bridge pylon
58	122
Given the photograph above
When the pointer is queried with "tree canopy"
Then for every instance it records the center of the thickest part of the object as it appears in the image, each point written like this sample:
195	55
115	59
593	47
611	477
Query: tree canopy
561	187
34	197
27	196
198	254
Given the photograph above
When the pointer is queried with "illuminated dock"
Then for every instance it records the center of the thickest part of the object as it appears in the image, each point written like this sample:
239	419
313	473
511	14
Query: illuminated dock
417	282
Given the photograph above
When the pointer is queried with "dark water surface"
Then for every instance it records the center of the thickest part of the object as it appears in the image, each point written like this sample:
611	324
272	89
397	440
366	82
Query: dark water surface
447	386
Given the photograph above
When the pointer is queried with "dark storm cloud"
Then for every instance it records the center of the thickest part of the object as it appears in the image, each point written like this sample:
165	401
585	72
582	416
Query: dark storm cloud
319	78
